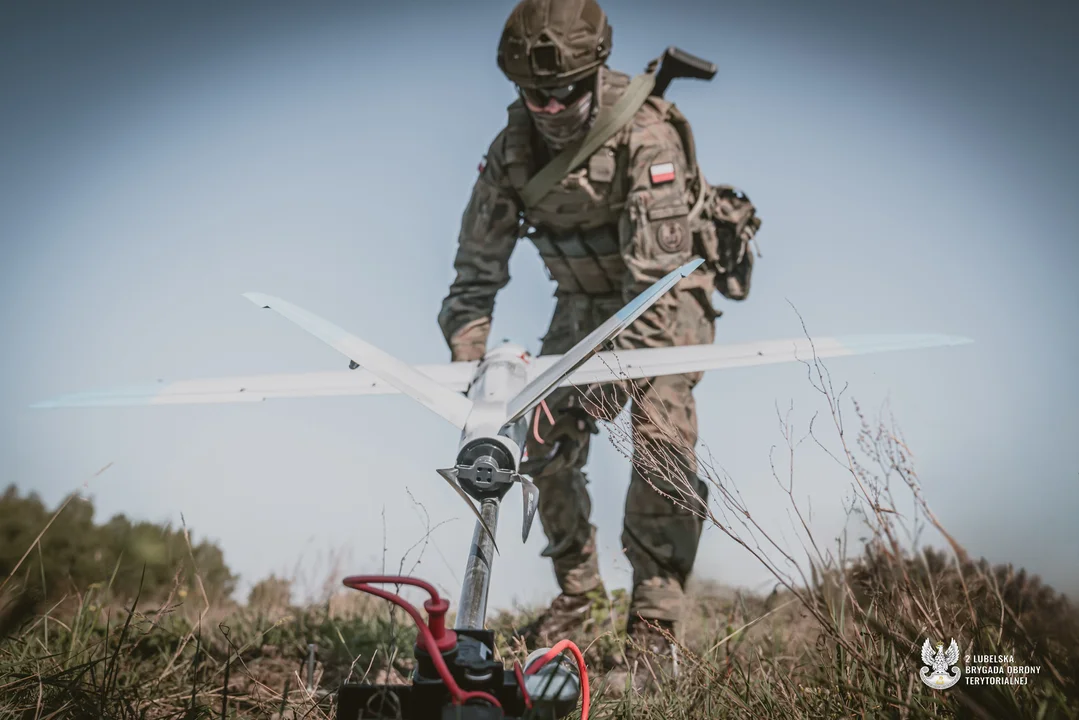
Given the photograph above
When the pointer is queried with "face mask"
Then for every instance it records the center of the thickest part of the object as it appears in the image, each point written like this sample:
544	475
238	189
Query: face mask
567	125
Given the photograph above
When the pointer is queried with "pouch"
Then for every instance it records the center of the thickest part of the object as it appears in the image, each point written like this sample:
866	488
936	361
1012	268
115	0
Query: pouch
726	224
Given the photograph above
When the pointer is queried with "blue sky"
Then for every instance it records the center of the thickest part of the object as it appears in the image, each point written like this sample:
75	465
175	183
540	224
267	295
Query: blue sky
914	167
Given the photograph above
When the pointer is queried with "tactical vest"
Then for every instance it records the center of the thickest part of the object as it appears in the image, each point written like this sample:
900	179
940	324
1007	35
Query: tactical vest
575	226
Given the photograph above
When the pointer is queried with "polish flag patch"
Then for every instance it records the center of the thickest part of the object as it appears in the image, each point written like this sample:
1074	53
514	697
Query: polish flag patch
661	173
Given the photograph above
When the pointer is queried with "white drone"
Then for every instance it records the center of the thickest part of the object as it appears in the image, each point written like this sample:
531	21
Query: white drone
489	400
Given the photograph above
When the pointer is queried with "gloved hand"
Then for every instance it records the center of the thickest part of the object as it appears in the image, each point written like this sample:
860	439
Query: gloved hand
470	341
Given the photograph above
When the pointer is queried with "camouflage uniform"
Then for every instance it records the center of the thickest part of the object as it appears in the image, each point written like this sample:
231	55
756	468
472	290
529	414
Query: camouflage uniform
609	230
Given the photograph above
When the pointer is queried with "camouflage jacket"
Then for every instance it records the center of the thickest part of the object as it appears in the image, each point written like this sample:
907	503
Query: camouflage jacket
612	226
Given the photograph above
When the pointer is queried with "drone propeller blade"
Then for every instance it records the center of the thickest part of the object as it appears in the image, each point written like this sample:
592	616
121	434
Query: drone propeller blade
547	381
530	501
450	476
449	404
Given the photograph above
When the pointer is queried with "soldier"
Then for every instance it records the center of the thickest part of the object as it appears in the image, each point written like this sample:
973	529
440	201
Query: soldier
612	224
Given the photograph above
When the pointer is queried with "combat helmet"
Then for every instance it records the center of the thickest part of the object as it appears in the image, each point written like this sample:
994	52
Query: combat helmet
553	43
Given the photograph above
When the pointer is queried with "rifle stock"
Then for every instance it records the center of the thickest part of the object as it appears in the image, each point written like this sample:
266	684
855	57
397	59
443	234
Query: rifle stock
677	63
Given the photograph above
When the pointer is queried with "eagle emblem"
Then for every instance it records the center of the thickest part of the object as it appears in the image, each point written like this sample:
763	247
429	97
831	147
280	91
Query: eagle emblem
940	662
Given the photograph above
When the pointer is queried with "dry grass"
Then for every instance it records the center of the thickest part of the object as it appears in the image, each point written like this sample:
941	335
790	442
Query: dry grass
839	637
848	643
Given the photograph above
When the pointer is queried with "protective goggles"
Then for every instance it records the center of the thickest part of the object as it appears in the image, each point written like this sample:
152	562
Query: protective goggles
564	95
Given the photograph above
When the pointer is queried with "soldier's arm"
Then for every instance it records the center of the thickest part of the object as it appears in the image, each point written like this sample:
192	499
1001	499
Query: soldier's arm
654	228
486	241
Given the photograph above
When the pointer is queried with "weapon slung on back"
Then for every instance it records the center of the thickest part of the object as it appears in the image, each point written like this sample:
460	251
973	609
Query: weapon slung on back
677	63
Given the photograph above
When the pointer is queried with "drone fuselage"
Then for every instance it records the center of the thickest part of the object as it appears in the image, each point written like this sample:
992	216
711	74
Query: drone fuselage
489	451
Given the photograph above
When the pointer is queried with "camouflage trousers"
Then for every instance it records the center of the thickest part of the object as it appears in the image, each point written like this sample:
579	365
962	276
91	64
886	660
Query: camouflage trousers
661	532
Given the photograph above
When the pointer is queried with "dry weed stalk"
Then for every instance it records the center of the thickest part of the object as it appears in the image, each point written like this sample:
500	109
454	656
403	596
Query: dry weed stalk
873	609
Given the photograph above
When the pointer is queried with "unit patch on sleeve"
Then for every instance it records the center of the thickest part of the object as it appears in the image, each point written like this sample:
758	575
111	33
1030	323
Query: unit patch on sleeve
671	236
661	173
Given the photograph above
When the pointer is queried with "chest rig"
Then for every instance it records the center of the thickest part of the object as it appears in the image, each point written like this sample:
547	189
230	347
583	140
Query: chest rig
575	226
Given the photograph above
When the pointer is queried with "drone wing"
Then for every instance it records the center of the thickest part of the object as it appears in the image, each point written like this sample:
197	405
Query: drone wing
451	405
603	367
256	388
613	366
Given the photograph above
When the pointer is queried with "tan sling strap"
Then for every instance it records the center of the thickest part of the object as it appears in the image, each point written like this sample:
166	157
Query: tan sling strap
607	124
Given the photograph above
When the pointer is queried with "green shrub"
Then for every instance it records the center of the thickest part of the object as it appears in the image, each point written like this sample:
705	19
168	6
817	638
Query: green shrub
77	552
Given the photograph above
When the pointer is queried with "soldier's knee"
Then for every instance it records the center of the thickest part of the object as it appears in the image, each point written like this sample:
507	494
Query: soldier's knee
661	546
564	503
665	412
562	491
666	491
